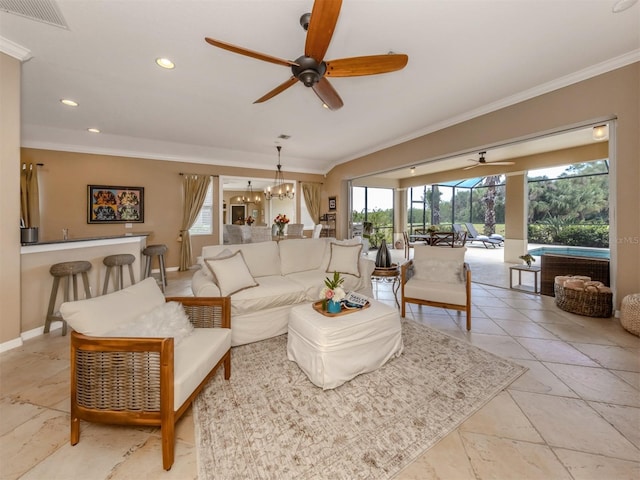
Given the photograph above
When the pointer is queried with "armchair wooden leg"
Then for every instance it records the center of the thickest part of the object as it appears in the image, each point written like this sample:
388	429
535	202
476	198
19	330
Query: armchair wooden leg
75	430
227	366
403	307
168	444
468	317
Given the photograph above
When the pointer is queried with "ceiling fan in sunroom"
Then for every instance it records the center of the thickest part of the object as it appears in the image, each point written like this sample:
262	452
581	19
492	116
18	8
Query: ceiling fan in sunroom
311	69
482	162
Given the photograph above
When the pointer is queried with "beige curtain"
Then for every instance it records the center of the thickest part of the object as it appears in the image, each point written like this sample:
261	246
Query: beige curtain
311	193
29	196
194	188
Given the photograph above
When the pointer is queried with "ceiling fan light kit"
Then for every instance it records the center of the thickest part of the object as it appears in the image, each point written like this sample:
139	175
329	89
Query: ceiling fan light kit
310	68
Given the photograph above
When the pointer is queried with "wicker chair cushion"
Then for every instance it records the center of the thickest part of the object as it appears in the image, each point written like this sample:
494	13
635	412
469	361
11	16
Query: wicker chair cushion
439	264
96	316
195	357
166	320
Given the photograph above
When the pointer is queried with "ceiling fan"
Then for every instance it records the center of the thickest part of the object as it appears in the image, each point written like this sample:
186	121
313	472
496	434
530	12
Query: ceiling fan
311	69
481	162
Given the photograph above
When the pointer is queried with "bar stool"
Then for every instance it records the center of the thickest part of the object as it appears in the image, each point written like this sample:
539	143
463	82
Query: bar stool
118	261
66	270
156	251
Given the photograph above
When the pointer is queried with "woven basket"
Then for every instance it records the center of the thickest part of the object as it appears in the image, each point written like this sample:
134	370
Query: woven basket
630	313
590	304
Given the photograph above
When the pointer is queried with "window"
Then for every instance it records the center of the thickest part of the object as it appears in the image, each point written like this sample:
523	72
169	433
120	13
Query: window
204	223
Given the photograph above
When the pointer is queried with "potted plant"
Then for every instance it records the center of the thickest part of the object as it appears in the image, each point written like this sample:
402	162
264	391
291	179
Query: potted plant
332	293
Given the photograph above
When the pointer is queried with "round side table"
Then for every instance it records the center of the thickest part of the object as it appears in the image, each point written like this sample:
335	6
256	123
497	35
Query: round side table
388	274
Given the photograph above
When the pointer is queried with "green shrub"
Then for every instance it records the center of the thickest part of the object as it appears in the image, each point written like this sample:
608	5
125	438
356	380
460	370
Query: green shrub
540	234
596	236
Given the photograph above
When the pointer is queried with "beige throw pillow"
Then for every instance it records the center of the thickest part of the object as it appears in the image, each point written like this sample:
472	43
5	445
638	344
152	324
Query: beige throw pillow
231	273
345	259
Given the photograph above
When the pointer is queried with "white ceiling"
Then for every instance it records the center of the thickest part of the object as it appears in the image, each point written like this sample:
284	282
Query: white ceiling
466	57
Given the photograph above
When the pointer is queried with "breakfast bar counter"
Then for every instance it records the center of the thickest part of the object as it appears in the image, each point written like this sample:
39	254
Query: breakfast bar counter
37	259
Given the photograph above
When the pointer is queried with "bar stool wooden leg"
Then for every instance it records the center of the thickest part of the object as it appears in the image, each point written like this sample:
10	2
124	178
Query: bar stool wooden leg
106	280
52	304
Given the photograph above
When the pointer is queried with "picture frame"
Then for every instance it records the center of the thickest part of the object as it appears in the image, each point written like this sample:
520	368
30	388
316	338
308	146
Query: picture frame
332	203
238	214
113	204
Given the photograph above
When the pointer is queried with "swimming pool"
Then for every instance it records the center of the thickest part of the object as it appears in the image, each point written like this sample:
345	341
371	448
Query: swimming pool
572	251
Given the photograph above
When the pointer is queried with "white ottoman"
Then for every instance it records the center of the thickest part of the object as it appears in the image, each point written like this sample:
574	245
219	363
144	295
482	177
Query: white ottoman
333	350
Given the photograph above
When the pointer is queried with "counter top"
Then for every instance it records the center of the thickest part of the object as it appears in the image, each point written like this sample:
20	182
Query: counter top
81	242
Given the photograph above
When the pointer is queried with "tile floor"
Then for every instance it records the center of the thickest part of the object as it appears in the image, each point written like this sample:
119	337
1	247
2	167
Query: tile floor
574	414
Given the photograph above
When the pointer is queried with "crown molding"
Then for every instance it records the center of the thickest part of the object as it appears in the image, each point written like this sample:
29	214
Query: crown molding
14	50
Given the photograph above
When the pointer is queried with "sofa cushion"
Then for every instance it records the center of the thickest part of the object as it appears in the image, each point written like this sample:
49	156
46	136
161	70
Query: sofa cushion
345	259
195	357
273	291
262	258
166	320
231	273
96	316
299	255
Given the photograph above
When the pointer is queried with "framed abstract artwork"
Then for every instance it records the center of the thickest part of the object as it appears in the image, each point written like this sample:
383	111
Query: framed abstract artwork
332	203
108	204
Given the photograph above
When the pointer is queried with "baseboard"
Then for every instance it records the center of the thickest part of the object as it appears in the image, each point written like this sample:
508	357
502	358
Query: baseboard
28	335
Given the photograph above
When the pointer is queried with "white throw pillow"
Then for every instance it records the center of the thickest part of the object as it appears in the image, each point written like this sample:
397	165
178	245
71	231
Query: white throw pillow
95	316
207	270
167	320
232	274
344	259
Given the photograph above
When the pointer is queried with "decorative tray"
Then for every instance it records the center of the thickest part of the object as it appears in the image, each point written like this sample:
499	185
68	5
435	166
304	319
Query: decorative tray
317	306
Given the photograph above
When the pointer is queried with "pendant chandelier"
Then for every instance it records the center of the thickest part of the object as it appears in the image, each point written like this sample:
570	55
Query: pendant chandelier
250	196
280	189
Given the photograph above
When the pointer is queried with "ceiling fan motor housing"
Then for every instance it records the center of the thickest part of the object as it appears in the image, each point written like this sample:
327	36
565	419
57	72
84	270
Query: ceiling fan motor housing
308	71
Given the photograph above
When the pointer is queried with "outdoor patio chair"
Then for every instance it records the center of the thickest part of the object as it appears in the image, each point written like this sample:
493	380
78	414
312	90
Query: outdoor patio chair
294	230
408	245
494	240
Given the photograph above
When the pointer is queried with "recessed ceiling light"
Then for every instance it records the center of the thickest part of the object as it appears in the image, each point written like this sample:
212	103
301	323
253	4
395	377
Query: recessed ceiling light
68	102
165	63
622	5
93	130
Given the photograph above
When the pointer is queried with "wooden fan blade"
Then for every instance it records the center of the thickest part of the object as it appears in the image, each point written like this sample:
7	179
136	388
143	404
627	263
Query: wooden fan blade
327	94
249	53
324	17
500	163
369	65
279	89
472	166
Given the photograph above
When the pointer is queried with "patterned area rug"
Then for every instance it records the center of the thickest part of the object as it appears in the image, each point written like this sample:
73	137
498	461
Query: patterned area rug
270	422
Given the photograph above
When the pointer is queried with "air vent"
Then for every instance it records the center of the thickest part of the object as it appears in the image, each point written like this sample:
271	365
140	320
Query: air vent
284	136
45	11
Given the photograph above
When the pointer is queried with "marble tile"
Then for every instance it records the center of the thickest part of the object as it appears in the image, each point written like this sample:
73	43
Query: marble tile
625	419
146	463
632	378
585	466
612	356
501	458
539	379
596	384
29	371
546	316
573	424
513	424
527	329
577	333
15	413
501	345
555	351
32	442
482	325
99	450
531	303
49	392
504	313
445	460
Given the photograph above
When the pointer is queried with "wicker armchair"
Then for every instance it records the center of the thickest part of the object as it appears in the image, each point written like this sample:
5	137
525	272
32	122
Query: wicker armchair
437	277
131	380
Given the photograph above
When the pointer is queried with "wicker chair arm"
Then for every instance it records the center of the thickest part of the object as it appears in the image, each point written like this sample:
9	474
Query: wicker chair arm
132	372
206	312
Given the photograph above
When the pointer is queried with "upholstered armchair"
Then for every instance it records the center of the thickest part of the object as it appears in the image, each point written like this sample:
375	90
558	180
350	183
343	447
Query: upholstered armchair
437	277
145	378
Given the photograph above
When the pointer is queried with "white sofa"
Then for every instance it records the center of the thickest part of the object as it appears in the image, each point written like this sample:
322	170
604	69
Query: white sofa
282	274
